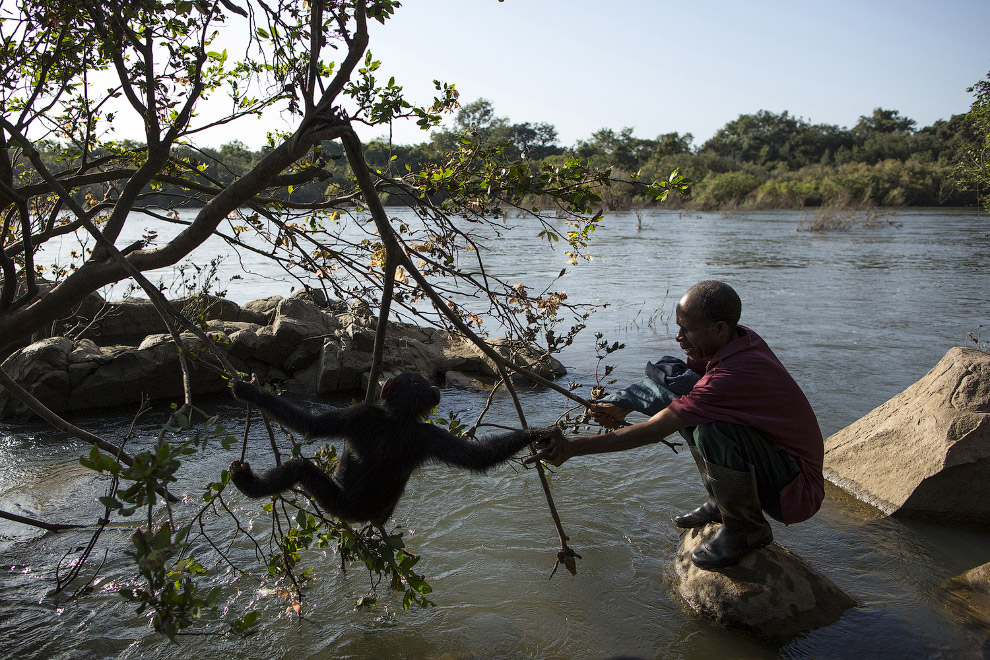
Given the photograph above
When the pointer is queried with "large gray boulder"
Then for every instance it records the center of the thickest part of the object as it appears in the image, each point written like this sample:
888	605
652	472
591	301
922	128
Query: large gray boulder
346	358
204	307
131	319
290	343
122	373
772	592
924	454
125	321
43	370
341	365
263	307
297	319
975	579
68	376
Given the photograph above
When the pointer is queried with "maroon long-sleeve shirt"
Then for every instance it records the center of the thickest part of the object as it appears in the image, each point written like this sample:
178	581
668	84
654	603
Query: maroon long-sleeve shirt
746	384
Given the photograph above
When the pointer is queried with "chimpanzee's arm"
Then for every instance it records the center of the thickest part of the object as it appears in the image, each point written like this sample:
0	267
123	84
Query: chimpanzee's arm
481	454
330	423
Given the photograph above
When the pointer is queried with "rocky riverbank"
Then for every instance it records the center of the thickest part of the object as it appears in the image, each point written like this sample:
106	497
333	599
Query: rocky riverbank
112	354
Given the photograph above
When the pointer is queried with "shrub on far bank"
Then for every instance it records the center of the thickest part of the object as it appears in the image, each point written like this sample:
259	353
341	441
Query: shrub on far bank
724	189
886	183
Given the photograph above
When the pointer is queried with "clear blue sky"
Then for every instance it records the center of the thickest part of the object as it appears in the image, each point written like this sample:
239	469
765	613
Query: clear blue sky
658	66
689	67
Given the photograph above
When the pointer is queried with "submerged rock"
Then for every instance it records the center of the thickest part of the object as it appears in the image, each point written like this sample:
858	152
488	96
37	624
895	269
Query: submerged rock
772	592
969	595
924	454
976	579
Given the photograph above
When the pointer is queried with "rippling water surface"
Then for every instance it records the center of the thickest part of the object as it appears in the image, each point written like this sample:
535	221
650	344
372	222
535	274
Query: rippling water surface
856	316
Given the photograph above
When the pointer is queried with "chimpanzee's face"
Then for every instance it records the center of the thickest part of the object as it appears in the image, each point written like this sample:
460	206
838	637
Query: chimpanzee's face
411	393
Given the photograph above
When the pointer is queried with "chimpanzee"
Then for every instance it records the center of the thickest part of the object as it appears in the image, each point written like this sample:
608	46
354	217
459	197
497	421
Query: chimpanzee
384	443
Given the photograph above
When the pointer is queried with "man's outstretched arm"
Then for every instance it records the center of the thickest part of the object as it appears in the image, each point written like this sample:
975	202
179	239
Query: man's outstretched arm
557	450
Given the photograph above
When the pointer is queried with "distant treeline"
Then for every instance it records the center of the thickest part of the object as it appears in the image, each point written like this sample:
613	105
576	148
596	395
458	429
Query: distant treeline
761	160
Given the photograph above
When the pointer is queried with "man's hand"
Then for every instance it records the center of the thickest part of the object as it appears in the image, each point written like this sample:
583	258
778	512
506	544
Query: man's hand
554	449
557	449
608	415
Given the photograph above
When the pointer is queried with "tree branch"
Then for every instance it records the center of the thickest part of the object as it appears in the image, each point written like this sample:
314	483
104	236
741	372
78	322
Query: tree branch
24	520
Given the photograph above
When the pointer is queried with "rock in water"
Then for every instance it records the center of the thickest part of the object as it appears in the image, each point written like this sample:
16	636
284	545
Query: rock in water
303	345
42	369
969	595
925	454
772	592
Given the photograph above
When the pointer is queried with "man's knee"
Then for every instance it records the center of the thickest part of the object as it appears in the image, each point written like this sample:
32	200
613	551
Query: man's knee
716	442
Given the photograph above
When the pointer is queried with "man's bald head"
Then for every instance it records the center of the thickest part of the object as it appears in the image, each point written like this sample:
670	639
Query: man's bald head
717	301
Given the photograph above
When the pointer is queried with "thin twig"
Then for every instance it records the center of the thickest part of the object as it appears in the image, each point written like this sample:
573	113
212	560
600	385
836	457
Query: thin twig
271	437
247	428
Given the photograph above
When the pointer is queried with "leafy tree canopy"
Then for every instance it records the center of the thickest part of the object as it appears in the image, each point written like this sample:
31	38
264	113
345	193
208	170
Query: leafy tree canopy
70	69
974	166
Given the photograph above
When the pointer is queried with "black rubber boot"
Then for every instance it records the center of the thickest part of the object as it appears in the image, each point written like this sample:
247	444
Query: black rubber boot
744	528
707	512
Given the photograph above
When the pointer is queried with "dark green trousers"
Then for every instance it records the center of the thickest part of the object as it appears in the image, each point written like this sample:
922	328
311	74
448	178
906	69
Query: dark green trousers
737	447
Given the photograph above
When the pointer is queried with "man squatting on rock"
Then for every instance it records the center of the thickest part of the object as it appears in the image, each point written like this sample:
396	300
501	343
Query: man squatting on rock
749	427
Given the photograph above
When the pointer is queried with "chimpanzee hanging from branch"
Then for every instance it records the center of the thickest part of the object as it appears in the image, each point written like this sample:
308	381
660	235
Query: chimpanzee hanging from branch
384	443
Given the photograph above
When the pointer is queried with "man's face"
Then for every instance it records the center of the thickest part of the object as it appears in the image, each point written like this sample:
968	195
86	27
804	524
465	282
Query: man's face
699	338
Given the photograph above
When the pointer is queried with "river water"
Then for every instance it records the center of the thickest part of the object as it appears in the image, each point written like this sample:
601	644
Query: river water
855	315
